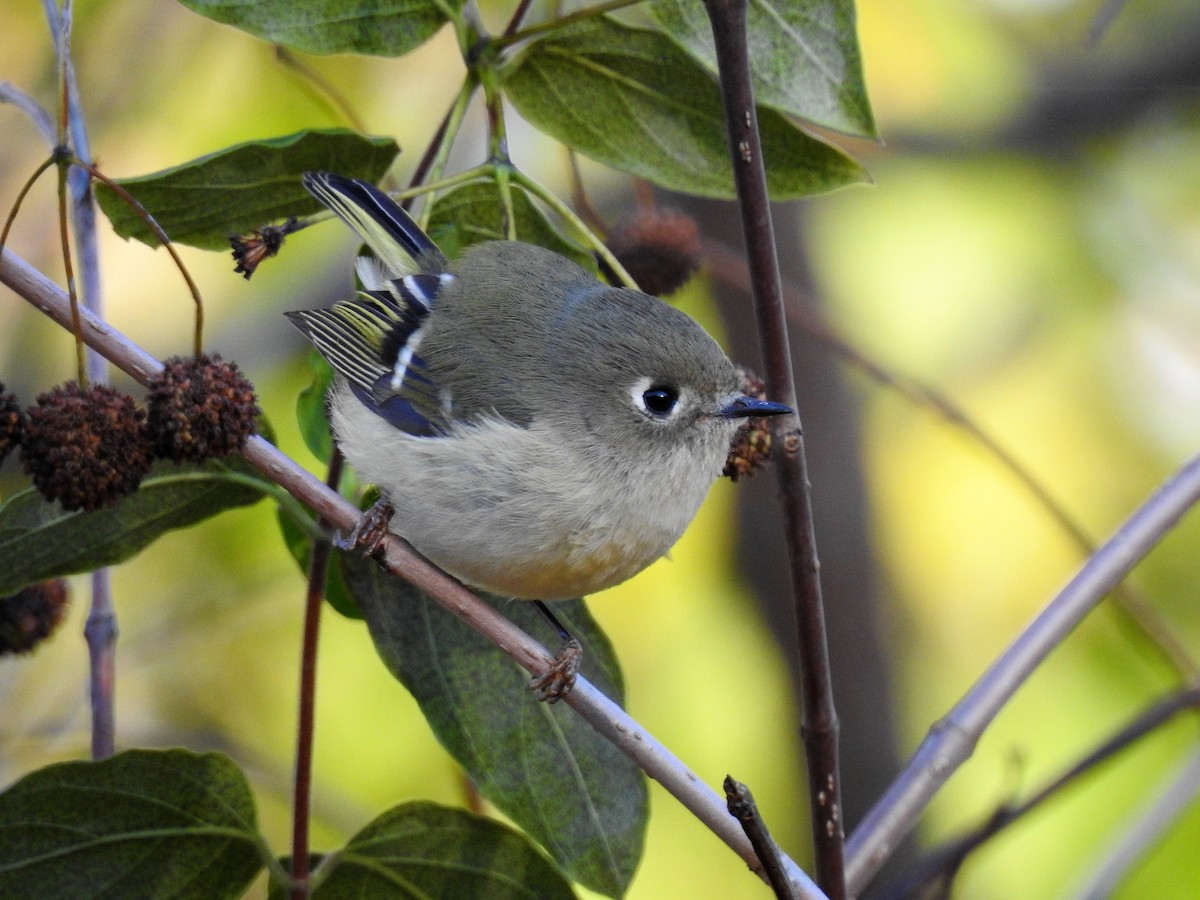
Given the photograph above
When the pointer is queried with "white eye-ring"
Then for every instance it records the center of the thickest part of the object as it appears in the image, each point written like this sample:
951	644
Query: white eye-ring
657	399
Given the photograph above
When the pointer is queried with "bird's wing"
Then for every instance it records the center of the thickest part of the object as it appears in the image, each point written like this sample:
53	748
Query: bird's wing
372	339
395	239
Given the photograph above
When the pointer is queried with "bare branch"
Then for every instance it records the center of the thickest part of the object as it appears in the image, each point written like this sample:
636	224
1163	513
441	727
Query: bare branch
940	866
819	728
399	558
1140	836
952	740
10	93
743	808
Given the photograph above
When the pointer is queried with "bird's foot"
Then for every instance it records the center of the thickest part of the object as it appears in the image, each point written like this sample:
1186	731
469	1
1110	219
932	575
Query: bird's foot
368	534
558	679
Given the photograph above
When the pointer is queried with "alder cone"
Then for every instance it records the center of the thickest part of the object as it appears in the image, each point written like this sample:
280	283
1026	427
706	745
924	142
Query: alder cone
85	447
200	408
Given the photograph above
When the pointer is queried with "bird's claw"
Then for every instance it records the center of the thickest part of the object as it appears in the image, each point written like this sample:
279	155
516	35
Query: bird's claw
559	678
368	534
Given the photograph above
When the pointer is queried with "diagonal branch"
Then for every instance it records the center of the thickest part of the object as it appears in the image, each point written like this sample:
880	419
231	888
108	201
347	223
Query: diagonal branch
942	864
399	558
951	741
819	724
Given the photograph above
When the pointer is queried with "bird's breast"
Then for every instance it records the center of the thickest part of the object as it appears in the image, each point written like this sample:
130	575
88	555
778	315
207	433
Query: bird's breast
518	510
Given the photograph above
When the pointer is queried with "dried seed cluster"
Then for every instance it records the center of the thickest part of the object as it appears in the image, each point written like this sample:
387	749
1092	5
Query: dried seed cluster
251	250
200	408
659	248
88	447
751	448
31	615
85	447
12	422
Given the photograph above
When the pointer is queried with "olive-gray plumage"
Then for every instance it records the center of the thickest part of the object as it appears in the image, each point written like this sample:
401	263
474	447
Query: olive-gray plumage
566	433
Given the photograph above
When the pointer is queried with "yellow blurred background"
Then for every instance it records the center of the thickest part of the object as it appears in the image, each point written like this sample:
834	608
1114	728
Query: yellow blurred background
1031	247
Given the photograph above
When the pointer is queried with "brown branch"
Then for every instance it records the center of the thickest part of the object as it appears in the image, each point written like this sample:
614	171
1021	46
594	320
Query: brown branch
612	722
819	727
743	808
518	17
64	239
318	572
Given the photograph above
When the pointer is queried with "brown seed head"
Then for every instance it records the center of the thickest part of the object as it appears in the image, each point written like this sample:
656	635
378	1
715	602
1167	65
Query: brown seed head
200	408
31	615
751	447
659	248
84	447
12	422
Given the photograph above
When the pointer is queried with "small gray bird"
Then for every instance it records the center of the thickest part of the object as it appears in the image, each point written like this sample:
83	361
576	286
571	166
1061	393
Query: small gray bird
538	434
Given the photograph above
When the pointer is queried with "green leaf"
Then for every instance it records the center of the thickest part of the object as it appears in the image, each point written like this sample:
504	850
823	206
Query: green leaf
310	408
633	100
40	540
474	213
425	850
543	766
141	824
373	27
804	56
236	190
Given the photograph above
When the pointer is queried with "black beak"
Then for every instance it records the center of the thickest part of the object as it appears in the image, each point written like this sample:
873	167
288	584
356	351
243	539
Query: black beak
743	407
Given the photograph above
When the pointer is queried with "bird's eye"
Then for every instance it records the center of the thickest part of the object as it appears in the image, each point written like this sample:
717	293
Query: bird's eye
660	400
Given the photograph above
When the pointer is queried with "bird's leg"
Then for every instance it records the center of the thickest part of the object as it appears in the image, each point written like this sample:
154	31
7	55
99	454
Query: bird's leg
558	679
368	534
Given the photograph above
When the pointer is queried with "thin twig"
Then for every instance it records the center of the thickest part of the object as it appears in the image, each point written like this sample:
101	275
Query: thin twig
167	244
437	154
83	216
60	30
1140	833
1102	21
64	238
952	740
743	808
399	558
561	22
21	195
10	93
580	200
318	572
594	241
431	151
101	629
819	725
518	17
941	864
100	634
498	156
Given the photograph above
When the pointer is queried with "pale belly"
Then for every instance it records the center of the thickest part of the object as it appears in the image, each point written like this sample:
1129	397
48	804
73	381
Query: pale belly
486	506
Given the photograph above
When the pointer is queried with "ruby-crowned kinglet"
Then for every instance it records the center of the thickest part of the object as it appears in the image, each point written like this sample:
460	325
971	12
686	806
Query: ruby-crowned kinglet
539	434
